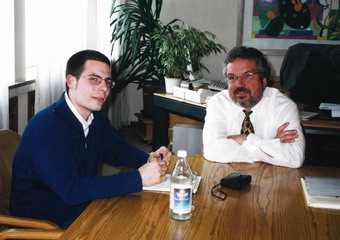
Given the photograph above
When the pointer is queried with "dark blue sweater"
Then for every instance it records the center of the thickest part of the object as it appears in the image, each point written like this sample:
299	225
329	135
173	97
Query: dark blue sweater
55	166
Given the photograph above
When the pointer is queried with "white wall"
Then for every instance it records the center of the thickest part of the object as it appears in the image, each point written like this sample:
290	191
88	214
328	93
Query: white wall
217	16
221	18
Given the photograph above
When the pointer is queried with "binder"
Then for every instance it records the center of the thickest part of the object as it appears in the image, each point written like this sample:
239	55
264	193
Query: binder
321	192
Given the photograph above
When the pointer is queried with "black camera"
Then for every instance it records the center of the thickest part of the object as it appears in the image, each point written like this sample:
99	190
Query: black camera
235	180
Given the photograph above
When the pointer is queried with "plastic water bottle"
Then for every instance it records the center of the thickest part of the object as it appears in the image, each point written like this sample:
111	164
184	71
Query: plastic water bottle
181	188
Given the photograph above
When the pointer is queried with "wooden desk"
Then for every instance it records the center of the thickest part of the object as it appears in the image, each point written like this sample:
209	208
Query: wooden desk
167	103
322	127
272	207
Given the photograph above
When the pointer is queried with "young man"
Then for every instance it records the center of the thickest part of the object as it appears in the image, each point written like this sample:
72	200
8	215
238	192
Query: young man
55	166
251	122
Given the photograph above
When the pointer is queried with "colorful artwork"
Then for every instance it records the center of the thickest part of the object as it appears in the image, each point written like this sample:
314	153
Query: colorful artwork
296	19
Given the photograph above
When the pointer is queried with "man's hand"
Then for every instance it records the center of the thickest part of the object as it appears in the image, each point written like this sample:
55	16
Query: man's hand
152	173
286	136
238	138
162	155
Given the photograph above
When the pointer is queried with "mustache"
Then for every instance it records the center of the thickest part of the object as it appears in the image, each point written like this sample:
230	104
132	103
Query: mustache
241	89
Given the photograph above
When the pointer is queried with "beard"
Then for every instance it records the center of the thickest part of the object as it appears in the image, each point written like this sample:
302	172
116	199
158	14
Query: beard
245	104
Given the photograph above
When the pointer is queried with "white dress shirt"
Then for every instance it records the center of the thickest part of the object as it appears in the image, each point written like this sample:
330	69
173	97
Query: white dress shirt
85	123
224	118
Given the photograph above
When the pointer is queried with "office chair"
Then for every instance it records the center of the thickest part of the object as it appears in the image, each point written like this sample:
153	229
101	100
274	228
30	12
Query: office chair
310	72
12	227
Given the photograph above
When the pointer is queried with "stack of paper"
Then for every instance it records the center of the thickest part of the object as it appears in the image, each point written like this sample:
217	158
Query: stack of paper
199	96
321	192
335	108
165	186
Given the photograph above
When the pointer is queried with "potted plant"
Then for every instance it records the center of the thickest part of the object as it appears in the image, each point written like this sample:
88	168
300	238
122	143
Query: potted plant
182	46
200	44
134	23
172	54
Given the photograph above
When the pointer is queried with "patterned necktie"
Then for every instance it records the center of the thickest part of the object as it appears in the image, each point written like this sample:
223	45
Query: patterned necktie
247	126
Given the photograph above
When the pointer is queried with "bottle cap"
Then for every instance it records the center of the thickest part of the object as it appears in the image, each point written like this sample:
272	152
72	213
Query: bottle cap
182	153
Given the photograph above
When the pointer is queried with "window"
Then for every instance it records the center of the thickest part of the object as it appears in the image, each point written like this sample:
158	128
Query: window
25	40
31	34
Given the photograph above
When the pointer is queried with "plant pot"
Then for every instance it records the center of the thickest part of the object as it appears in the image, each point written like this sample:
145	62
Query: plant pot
170	83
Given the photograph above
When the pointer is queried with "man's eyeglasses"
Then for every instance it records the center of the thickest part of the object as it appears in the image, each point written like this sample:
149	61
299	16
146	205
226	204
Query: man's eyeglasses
97	80
245	76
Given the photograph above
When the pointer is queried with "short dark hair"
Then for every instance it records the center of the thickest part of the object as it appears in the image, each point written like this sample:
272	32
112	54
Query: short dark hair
250	53
75	64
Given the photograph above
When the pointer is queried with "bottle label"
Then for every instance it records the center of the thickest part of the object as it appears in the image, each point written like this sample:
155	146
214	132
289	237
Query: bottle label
181	203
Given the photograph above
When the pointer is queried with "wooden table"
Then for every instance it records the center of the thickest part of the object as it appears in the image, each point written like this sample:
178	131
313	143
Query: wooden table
272	207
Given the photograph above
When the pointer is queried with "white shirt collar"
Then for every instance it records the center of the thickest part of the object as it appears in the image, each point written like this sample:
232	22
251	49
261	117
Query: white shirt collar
83	122
239	109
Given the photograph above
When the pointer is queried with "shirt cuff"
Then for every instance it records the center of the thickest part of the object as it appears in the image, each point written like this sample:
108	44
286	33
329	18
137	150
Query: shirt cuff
253	140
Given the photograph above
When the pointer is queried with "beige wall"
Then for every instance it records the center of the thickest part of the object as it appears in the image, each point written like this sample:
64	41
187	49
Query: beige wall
219	17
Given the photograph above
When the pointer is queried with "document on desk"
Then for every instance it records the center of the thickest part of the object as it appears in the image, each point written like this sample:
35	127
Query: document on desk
165	186
335	108
321	192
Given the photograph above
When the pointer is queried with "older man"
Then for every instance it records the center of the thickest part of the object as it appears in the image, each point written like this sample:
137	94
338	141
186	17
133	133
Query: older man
251	122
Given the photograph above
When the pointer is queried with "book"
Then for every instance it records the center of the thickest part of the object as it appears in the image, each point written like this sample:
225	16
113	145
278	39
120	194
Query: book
321	192
165	186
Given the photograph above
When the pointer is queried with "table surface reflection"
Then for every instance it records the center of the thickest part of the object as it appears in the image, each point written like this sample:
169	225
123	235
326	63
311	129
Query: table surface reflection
271	207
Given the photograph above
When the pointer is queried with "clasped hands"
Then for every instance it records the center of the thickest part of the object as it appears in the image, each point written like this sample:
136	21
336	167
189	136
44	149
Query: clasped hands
154	171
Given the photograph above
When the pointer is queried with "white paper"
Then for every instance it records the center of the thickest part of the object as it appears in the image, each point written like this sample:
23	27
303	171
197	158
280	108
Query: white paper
165	186
323	186
330	106
319	201
335	113
335	108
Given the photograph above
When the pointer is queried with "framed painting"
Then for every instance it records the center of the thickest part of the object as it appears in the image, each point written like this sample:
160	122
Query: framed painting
278	24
